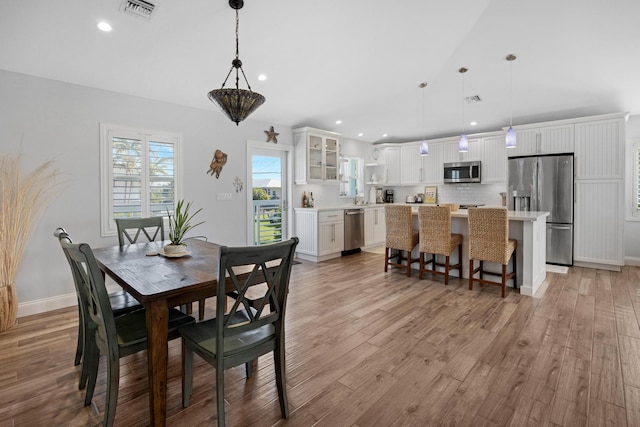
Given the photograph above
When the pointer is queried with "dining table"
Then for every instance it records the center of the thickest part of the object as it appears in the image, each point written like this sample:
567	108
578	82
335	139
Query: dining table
159	282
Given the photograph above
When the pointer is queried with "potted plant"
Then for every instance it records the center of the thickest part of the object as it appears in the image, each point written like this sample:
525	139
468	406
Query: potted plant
23	199
179	225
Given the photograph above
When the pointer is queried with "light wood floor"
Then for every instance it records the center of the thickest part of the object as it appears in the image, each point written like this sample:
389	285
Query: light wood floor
365	348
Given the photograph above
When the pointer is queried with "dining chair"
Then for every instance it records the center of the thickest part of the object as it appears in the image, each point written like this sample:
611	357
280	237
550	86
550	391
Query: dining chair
251	328
400	236
131	229
489	241
121	302
436	239
113	337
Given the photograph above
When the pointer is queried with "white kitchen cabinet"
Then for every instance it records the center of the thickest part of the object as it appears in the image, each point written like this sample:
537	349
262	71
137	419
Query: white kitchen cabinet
599	221
494	162
392	165
374	226
316	156
552	139
432	170
411	164
452	155
321	233
598	149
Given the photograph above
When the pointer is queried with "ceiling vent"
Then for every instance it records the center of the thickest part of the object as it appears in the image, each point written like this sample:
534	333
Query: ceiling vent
140	8
472	99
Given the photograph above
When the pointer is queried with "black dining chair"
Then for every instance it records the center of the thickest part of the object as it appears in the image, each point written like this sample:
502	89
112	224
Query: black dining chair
121	302
114	337
252	327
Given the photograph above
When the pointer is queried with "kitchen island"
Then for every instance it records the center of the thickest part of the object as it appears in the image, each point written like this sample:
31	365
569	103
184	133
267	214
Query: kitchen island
528	228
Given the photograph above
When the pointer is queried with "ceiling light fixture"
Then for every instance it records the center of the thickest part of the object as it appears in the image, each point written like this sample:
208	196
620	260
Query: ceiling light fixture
424	145
338	122
510	139
104	26
236	103
463	143
262	77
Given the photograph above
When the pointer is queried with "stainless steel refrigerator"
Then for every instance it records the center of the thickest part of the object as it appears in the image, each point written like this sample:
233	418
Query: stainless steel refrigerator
545	183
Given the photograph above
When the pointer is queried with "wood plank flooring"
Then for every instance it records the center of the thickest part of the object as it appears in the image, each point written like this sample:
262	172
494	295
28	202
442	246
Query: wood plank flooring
365	348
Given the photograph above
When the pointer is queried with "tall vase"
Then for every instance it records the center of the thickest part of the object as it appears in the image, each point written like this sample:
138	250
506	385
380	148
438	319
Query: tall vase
8	306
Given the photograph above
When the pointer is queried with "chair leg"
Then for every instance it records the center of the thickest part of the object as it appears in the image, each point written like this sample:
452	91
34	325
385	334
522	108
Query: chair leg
408	263
187	374
90	369
248	367
386	259
220	394
460	261
113	380
470	274
421	265
279	362
201	309
481	269
80	344
515	271
504	280
446	270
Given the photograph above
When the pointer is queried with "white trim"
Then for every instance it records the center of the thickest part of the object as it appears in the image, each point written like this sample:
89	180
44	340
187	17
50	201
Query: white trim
631	188
43	305
632	261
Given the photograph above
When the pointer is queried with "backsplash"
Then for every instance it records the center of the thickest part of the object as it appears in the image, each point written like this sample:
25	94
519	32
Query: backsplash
467	193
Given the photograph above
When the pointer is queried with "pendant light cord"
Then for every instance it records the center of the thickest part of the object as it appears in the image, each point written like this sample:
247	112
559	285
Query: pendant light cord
236	63
463	101
510	94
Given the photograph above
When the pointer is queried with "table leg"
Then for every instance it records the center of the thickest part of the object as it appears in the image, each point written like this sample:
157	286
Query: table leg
157	319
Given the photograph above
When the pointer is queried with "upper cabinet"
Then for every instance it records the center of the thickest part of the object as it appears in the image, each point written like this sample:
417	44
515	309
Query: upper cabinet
392	165
494	162
316	156
417	169
553	139
452	155
599	153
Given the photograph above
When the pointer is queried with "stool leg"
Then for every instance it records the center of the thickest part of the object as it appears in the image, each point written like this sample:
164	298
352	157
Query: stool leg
386	259
446	270
515	271
470	274
409	263
504	280
421	267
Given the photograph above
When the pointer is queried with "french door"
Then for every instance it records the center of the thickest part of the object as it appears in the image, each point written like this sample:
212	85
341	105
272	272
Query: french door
267	193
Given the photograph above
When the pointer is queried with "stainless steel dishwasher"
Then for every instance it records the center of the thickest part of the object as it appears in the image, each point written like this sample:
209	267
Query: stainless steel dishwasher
353	230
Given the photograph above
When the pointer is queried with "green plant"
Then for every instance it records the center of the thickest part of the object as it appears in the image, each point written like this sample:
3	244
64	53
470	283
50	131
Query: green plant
180	222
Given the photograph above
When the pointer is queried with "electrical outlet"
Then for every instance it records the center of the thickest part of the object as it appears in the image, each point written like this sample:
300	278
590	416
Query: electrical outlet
224	196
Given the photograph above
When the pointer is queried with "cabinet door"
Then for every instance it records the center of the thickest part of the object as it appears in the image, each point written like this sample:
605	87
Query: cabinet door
410	164
556	139
526	143
598	222
379	226
450	153
599	150
433	172
330	159
369	224
327	237
315	158
476	149
494	164
392	165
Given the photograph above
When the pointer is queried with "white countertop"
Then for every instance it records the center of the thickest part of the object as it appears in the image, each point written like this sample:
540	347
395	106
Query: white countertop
461	213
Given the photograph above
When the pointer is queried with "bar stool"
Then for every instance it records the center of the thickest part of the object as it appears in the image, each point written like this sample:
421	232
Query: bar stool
400	236
489	241
436	239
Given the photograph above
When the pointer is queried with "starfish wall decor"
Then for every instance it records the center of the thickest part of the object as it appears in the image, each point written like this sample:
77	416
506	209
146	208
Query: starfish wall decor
272	136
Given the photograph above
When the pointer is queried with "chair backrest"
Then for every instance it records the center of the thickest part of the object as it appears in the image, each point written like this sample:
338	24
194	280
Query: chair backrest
244	267
92	293
435	229
152	228
399	226
489	234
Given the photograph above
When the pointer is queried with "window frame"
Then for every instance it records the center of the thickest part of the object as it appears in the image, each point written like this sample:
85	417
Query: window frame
107	133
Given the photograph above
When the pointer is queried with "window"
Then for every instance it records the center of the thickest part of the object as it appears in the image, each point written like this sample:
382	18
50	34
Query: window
635	182
351	183
139	174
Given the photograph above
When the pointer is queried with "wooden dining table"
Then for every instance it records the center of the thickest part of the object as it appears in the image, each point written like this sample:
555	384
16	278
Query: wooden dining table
160	282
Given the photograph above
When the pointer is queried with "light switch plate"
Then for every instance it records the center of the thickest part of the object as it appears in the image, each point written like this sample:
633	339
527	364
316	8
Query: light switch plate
224	196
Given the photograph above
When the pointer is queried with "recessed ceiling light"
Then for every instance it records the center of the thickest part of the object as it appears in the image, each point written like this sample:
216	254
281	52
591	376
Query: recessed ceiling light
338	122
360	134
473	123
262	77
104	26
384	135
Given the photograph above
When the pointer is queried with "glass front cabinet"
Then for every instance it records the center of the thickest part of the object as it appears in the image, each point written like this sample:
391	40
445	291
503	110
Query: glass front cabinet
316	156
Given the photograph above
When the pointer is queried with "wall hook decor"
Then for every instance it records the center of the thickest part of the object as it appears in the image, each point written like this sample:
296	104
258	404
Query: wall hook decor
238	184
272	136
218	161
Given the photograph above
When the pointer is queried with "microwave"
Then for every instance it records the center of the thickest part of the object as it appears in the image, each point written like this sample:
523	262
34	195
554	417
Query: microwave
461	172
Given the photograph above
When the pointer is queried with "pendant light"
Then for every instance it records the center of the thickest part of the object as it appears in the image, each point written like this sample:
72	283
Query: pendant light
236	103
463	143
510	139
424	146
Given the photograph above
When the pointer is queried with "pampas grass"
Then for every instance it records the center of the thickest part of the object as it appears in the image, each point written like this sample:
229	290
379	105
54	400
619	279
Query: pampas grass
23	199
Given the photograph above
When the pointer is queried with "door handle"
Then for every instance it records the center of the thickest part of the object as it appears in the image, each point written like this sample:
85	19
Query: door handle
559	227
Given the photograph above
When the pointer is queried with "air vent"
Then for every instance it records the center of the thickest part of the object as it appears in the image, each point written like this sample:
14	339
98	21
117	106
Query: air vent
141	8
472	99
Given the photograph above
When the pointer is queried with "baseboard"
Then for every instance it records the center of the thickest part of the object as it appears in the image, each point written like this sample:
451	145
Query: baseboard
52	303
632	261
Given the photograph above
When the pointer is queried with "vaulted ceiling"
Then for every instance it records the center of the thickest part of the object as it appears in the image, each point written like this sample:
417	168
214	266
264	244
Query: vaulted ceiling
358	61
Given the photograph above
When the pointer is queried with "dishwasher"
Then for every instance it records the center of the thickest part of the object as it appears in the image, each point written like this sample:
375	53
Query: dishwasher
353	230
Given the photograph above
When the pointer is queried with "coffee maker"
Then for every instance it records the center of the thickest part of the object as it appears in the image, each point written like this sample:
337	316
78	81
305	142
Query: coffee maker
388	196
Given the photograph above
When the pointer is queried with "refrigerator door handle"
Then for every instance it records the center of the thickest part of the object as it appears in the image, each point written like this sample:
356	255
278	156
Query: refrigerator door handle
559	227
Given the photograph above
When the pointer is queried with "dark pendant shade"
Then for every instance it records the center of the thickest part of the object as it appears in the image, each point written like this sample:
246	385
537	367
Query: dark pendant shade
236	104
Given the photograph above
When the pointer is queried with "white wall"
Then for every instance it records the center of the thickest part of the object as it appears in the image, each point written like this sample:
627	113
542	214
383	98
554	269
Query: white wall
632	227
45	119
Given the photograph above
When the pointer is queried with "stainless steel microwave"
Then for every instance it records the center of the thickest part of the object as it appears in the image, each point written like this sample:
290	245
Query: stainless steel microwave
462	172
